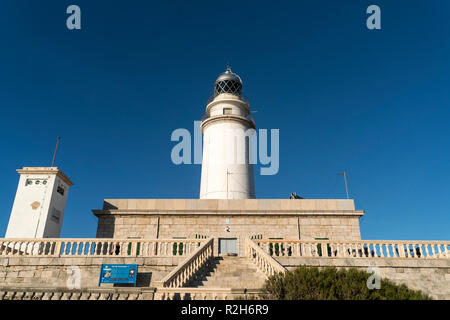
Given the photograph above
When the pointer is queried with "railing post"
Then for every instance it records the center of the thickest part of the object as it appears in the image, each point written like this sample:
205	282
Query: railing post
57	249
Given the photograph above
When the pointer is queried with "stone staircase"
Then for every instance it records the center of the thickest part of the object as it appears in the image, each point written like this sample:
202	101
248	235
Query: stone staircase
228	272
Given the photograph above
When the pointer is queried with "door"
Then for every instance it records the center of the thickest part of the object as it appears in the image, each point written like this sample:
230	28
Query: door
228	245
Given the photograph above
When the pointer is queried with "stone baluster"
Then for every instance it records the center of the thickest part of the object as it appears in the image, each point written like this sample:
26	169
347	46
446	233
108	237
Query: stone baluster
402	250
57	249
432	251
19	295
162	249
56	295
84	296
94	296
47	295
145	248
9	250
28	296
122	296
27	248
426	250
66	296
73	248
421	255
38	295
104	296
66	249
359	250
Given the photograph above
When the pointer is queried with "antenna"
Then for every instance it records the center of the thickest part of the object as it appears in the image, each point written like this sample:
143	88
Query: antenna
228	67
227	182
345	178
56	149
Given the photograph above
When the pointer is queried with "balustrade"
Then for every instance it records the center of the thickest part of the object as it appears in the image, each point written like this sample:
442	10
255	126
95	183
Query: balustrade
262	260
186	269
98	247
355	249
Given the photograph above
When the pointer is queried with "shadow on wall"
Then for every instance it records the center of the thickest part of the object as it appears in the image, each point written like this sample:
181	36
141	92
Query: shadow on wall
109	206
105	227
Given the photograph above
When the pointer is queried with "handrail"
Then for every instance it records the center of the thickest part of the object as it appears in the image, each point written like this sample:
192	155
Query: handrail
268	265
391	249
187	268
98	247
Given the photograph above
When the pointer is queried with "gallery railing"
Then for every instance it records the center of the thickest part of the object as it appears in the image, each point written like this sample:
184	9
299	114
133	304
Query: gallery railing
98	247
356	249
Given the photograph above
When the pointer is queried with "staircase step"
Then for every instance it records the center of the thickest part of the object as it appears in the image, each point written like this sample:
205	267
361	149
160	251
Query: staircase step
229	272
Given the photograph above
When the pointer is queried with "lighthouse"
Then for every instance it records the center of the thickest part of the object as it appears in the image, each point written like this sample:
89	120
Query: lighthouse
228	131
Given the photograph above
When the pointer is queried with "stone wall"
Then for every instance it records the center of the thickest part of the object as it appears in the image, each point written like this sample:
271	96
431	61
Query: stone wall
431	276
37	275
54	272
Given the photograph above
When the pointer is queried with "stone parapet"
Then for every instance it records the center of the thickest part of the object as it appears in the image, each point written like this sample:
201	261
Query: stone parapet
255	206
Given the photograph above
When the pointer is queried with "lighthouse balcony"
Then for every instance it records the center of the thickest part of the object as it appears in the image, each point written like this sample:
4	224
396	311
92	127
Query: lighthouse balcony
237	96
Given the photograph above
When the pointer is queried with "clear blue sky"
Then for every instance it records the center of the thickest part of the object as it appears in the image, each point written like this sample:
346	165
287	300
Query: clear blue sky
375	103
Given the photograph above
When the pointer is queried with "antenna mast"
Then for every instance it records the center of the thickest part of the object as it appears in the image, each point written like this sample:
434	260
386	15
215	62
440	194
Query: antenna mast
56	149
346	187
227	183
345	179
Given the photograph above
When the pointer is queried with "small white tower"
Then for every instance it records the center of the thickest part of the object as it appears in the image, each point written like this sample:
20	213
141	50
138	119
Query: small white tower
38	208
227	169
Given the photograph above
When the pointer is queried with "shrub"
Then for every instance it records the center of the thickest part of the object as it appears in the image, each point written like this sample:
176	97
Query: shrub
329	283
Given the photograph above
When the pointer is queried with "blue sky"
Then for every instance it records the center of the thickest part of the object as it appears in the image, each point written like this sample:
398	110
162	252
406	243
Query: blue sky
373	103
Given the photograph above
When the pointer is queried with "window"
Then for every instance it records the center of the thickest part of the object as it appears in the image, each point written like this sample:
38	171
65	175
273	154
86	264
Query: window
60	190
226	110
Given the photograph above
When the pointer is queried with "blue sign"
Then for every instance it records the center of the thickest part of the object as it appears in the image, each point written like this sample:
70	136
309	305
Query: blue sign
118	273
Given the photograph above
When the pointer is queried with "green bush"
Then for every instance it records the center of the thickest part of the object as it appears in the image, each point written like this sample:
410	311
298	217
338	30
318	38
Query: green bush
310	283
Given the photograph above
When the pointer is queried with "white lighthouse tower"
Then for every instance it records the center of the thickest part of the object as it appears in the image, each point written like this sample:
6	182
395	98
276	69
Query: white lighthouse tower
38	208
228	142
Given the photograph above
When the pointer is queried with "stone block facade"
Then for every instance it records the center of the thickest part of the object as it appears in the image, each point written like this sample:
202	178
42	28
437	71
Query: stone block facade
46	272
22	274
305	219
